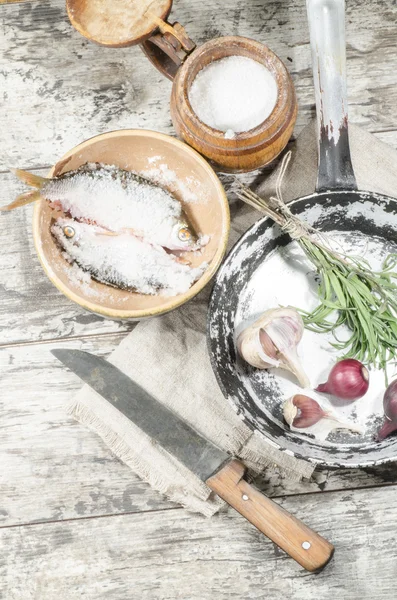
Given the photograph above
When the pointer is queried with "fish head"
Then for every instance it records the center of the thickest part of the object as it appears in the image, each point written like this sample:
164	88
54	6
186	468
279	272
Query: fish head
183	237
67	230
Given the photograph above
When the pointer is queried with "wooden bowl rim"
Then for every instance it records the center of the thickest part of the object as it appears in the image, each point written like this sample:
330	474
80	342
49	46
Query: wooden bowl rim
174	301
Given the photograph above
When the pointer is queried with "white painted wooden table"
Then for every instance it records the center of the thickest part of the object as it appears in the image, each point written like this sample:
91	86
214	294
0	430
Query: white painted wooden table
74	521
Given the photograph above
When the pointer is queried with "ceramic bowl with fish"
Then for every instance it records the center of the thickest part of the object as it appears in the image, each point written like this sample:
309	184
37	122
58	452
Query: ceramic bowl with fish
194	244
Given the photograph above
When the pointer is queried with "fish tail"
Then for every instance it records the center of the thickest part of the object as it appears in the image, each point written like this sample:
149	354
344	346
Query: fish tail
22	199
29	178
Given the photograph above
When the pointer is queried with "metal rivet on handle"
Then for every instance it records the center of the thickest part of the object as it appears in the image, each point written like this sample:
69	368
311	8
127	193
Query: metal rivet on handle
244	497
306	545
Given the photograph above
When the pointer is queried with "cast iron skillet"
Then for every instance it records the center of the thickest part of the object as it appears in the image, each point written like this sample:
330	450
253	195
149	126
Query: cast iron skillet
335	193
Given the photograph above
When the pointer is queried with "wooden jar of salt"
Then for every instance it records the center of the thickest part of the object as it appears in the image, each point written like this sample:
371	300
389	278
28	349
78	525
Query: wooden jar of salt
176	56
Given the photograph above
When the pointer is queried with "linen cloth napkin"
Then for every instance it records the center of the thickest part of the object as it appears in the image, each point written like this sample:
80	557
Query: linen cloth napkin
168	355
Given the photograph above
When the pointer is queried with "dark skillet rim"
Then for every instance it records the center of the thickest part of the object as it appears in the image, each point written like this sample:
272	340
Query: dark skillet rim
336	464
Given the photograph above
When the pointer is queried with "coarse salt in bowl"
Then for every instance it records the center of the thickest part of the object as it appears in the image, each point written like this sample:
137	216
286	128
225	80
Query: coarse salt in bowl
236	132
177	168
233	94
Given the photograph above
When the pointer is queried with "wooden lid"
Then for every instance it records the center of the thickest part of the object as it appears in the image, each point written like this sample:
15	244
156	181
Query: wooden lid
117	23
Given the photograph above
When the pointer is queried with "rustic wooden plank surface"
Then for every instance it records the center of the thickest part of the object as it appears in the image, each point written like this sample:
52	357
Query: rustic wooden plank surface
171	555
53	468
57	90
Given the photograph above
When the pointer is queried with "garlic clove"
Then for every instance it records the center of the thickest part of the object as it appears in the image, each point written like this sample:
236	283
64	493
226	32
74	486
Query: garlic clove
250	348
256	347
341	424
293	364
290	411
266	346
303	412
271	341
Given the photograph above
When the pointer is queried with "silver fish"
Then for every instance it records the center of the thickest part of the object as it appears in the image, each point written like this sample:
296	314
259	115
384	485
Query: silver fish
117	200
124	261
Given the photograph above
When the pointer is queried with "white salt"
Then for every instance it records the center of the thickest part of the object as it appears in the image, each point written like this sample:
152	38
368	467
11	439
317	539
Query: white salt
154	159
233	94
190	189
229	134
79	278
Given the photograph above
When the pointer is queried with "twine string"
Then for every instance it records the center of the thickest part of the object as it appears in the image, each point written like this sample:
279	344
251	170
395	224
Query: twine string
275	207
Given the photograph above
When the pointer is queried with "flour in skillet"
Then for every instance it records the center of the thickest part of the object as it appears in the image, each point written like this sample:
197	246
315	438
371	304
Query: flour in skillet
287	278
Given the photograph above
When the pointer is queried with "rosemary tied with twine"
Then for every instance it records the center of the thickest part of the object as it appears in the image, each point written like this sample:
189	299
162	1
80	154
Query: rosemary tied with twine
365	300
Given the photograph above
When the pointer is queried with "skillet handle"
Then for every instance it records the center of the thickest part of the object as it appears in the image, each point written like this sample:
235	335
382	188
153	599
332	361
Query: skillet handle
299	541
327	39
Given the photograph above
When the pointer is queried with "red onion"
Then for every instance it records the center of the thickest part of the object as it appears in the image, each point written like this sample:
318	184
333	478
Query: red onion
390	410
348	380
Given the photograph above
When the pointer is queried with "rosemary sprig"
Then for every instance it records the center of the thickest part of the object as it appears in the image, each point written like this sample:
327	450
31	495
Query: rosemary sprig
365	300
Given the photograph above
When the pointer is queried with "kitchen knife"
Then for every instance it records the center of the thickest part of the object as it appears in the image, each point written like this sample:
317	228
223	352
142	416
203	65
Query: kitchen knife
221	472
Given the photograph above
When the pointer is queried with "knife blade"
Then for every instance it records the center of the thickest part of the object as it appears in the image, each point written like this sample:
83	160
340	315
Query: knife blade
157	421
220	471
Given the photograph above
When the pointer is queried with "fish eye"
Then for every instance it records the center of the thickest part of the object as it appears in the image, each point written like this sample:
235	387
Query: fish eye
184	234
68	231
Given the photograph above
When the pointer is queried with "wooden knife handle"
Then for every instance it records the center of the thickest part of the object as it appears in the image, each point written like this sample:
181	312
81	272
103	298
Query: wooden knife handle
299	541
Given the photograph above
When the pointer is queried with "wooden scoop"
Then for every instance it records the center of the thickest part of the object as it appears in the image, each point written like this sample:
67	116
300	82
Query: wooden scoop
130	22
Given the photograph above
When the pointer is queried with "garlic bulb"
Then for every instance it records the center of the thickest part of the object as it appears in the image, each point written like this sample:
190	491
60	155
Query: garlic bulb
302	412
272	342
